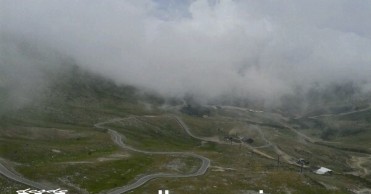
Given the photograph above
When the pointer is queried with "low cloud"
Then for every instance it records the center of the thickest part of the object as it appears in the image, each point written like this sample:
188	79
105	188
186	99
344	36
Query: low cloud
207	49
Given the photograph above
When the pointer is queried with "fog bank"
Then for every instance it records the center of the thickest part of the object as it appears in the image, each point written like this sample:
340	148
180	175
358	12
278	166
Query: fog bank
206	49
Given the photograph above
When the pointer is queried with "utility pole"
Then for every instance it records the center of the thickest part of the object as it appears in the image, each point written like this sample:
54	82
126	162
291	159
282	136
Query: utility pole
302	162
278	160
301	167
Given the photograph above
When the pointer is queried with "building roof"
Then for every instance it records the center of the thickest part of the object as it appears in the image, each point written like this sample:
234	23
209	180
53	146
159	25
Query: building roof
323	170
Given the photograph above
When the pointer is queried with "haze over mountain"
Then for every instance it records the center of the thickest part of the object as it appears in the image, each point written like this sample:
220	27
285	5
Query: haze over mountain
205	49
193	96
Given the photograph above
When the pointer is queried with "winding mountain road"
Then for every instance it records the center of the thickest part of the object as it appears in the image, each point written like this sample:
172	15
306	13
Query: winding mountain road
338	114
117	138
15	177
252	148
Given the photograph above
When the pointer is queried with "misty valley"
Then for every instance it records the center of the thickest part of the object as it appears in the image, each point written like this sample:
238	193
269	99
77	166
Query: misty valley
180	97
88	135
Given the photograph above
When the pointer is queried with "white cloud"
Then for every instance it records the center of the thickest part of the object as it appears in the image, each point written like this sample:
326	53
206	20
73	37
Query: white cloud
258	49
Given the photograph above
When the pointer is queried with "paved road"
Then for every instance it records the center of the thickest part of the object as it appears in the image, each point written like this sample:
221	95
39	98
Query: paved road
252	148
117	139
186	129
13	176
334	115
313	140
241	109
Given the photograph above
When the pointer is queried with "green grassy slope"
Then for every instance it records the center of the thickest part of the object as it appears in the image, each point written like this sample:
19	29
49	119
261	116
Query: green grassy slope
52	139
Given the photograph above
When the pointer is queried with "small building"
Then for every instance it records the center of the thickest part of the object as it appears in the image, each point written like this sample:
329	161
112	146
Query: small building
302	161
247	140
323	170
235	140
232	139
227	138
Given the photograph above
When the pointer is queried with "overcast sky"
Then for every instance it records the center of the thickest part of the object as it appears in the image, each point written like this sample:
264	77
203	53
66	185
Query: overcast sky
260	48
